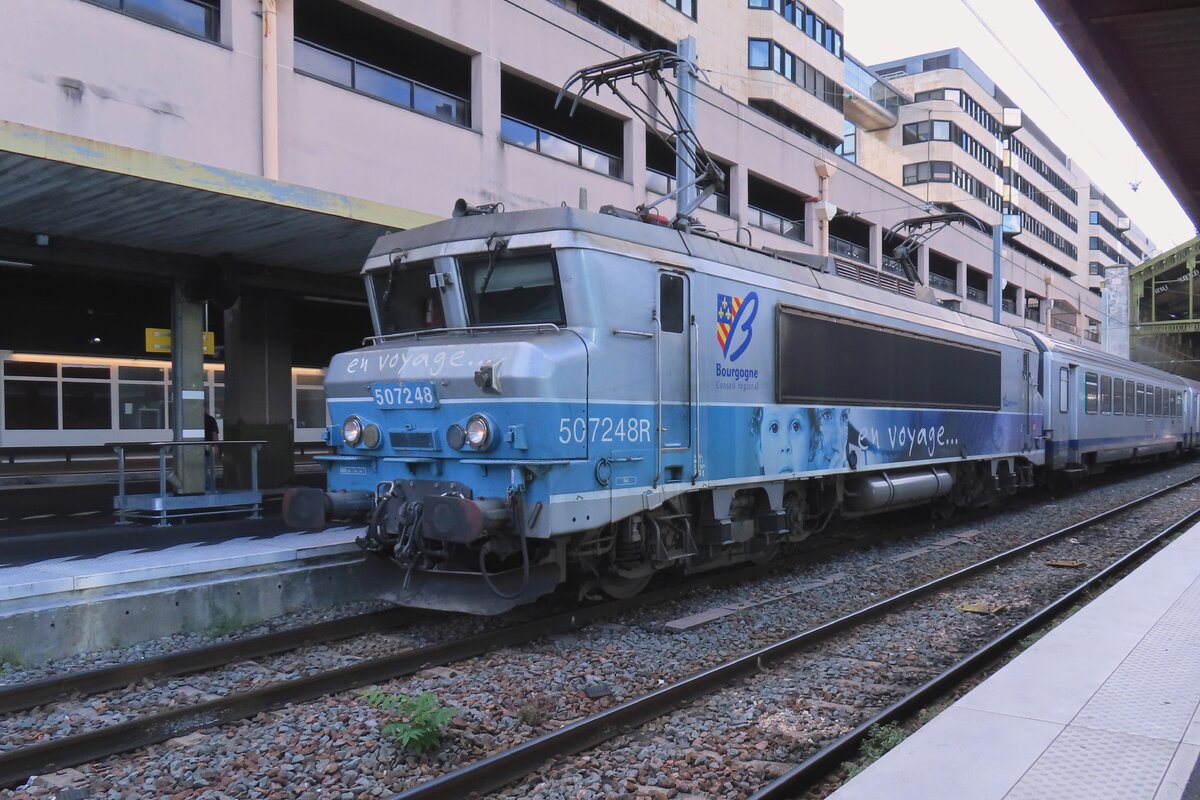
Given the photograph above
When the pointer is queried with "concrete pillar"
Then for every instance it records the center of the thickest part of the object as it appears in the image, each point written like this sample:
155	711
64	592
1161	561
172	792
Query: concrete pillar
875	245
960	278
187	389
258	389
635	158
1020	303
485	118
739	194
923	263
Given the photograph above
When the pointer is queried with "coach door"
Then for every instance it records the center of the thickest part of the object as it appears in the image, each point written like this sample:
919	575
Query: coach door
675	377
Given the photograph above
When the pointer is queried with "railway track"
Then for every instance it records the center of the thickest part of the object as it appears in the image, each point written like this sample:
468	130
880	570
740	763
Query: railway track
504	768
157	727
154	728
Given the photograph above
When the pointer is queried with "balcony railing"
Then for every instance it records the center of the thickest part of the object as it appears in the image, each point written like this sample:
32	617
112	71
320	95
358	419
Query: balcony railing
842	247
978	295
1092	335
531	137
1034	314
661	183
937	281
792	229
1063	325
327	65
1009	305
893	266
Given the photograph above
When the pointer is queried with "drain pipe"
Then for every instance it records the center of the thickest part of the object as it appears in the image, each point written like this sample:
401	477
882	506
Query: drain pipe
270	90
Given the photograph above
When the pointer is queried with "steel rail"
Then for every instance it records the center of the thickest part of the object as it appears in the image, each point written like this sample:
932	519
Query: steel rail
24	696
818	766
17	765
498	770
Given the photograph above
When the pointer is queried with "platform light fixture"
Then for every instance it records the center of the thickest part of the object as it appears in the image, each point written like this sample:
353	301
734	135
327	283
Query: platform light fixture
5	262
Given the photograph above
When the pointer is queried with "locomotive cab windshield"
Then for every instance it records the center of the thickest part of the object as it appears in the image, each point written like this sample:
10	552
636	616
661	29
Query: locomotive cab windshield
495	288
405	298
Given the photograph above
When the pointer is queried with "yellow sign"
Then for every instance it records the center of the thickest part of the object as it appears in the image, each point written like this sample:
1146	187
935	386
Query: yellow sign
158	340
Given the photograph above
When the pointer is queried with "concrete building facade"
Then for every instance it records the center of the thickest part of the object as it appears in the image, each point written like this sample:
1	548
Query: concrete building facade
393	109
951	147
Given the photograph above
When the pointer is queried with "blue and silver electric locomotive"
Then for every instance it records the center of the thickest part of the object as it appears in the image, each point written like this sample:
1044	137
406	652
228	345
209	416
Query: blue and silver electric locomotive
558	396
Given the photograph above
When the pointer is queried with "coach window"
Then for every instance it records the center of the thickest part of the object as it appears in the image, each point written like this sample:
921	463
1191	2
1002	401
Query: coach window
1064	390
1091	393
1156	411
1130	407
1140	394
1118	396
1106	394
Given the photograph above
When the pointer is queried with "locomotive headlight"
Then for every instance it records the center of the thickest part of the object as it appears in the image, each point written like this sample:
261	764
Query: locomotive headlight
478	432
352	431
371	436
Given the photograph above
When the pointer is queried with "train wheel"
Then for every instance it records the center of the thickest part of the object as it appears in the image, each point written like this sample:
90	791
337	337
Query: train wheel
622	587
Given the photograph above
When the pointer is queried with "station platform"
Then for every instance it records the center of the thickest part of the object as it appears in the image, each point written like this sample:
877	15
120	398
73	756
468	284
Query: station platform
129	584
1104	706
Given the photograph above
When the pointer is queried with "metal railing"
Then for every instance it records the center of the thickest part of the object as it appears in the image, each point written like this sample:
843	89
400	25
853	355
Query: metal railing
164	506
661	183
978	295
522	134
791	228
893	266
1092	335
329	65
1034	314
842	247
1009	305
937	281
1063	325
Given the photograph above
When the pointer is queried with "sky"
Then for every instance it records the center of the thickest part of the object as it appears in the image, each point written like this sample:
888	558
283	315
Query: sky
1029	61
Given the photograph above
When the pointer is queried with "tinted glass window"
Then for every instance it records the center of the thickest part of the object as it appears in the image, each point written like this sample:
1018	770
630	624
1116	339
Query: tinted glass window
670	290
1091	393
512	288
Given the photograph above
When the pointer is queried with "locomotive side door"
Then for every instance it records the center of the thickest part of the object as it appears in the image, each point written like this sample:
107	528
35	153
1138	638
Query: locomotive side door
675	376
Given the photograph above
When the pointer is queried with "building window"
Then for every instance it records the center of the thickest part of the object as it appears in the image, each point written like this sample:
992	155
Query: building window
200	18
760	54
685	7
766	54
817	29
848	149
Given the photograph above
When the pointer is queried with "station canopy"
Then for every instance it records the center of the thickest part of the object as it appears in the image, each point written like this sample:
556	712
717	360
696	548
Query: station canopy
57	188
1143	56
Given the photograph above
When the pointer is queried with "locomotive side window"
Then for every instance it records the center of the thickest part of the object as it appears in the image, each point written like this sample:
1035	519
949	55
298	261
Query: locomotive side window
404	300
511	288
1129	395
1106	394
831	360
1064	390
1091	393
670	292
1118	396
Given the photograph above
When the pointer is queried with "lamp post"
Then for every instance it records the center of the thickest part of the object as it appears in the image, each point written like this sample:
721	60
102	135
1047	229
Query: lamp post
1010	224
